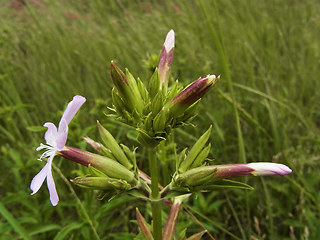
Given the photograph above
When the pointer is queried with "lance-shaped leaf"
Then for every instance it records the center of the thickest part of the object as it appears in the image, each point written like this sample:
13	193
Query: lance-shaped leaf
118	104
143	225
159	122
154	84
194	152
95	172
148	122
157	103
143	91
106	165
113	146
134	85
146	140
201	156
165	60
101	183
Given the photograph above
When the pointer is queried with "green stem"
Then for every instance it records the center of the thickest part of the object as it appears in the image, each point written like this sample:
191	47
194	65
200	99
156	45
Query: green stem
155	197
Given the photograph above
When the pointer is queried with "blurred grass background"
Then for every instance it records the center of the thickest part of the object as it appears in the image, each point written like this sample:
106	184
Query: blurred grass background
265	108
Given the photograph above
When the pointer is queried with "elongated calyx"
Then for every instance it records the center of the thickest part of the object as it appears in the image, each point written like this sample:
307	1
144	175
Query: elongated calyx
106	165
101	183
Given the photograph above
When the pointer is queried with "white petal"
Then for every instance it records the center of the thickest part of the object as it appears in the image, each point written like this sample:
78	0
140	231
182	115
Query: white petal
72	108
51	134
62	134
38	180
54	198
169	42
267	168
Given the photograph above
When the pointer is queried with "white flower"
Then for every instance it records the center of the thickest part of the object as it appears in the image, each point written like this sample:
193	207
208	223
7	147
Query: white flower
55	141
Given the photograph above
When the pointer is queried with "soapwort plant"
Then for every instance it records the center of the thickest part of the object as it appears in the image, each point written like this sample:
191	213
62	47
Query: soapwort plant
154	109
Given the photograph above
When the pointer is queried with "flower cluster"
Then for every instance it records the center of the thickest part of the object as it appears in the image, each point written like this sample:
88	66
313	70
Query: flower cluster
154	110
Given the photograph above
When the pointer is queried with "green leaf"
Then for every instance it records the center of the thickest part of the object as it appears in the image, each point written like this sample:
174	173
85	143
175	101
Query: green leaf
226	183
154	84
201	157
146	140
95	172
45	228
14	223
68	229
36	128
195	150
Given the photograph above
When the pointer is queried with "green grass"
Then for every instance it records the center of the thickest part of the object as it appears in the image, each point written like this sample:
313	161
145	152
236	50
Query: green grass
265	108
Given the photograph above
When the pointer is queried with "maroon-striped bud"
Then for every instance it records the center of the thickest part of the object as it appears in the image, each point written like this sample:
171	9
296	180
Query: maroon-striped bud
143	225
171	224
166	58
207	175
190	95
254	169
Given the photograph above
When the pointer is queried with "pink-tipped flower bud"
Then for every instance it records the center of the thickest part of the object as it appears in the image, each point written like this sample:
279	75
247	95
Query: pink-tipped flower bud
254	169
208	174
166	58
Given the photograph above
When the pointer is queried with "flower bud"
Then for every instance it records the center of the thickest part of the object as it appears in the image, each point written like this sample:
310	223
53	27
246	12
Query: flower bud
106	165
206	175
127	87
171	224
101	183
165	60
254	169
143	225
190	95
113	146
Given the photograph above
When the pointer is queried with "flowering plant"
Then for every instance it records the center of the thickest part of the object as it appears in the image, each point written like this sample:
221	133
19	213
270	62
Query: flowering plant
154	110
